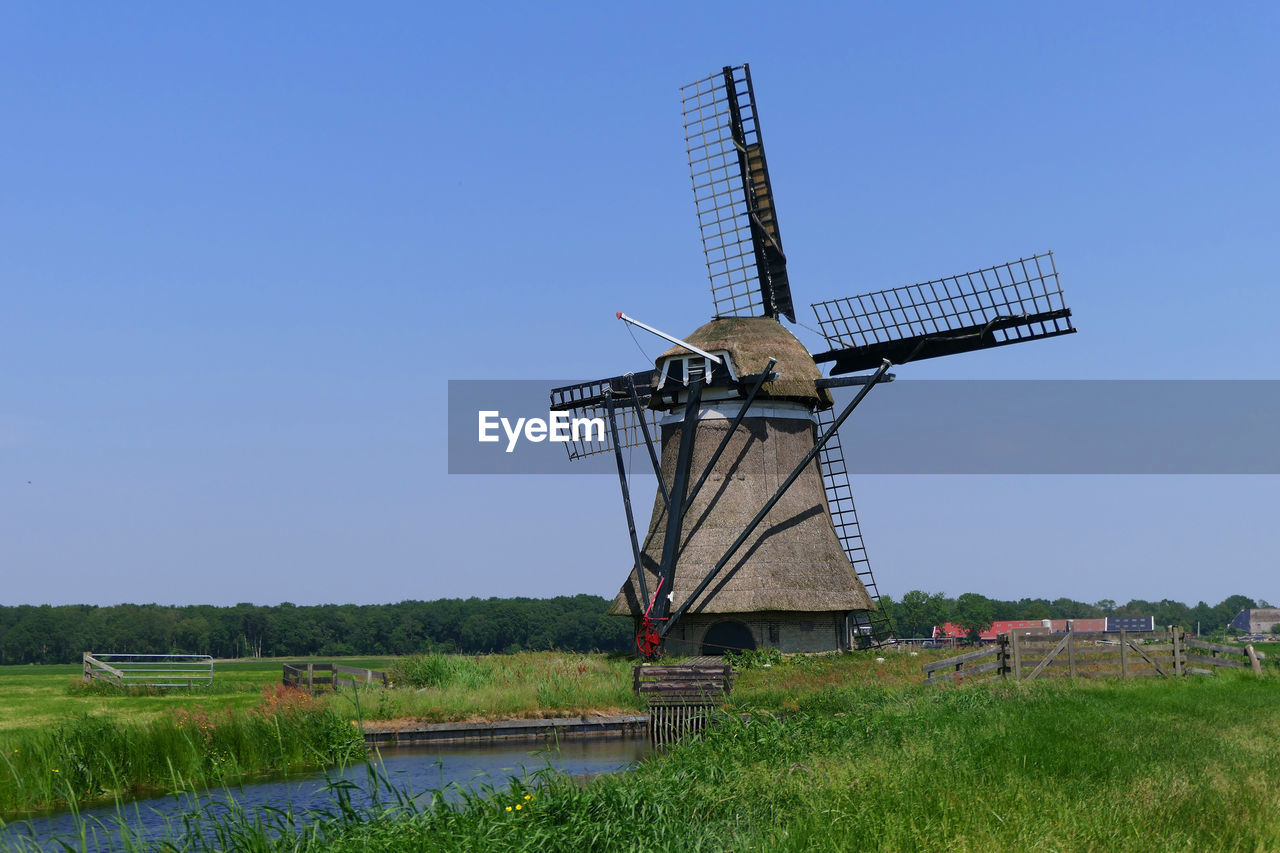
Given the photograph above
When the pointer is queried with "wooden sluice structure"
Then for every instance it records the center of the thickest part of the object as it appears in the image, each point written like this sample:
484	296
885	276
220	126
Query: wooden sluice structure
681	697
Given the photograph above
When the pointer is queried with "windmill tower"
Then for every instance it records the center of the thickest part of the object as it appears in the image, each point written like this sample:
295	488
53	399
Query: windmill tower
754	540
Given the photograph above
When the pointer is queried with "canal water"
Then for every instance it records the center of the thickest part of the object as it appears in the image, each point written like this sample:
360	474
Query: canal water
415	770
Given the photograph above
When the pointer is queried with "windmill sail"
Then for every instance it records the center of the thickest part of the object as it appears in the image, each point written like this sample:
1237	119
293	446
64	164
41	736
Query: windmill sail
740	237
1005	304
587	400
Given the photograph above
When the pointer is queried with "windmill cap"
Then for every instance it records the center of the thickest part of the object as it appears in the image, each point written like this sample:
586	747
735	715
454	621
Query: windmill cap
751	342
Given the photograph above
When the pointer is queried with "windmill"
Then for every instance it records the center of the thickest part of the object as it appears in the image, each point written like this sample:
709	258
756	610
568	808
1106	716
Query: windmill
754	538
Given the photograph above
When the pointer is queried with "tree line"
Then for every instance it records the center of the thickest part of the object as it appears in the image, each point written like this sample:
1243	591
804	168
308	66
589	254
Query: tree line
580	623
60	634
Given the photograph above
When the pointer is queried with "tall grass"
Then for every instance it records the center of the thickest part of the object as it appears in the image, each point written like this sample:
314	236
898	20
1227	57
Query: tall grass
446	688
441	670
91	758
1140	766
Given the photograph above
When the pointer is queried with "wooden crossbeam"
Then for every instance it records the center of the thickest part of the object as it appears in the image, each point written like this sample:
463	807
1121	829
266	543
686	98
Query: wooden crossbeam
1057	650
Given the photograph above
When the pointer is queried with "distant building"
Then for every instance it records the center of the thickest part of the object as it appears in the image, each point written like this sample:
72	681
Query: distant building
1137	624
1256	620
1022	626
1026	627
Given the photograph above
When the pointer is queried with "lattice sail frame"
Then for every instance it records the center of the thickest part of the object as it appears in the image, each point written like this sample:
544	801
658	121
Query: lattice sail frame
1004	304
733	197
877	625
587	400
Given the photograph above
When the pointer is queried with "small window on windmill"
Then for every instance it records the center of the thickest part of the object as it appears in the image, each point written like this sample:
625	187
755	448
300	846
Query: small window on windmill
678	371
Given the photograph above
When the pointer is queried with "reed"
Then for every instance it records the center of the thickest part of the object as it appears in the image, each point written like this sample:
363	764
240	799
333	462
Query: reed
92	758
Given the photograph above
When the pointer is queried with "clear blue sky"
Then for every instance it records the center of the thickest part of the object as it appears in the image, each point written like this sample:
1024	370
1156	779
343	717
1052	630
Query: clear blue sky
245	247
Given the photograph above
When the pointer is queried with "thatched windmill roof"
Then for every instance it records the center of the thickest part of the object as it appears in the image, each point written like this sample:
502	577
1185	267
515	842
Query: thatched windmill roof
751	342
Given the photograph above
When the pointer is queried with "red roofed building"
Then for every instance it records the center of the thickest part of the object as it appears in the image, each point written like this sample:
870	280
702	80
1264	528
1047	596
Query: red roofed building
1024	627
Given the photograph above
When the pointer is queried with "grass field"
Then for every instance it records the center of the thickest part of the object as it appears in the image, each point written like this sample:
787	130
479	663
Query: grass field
1144	765
433	688
841	753
44	709
37	696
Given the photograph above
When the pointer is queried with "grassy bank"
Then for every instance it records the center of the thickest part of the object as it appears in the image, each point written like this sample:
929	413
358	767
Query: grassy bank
92	758
450	688
1150	765
446	688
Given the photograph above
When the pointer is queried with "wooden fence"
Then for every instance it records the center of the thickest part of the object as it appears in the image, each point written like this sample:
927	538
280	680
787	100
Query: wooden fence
125	670
1024	657
321	676
681	698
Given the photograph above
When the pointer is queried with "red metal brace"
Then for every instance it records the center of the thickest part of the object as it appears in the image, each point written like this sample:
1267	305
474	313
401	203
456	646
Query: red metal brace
647	639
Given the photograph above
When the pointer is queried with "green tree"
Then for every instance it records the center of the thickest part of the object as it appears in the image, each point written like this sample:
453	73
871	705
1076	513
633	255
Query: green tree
1037	610
919	611
974	613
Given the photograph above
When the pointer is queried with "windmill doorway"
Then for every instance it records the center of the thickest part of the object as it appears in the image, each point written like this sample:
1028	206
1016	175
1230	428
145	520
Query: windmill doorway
727	636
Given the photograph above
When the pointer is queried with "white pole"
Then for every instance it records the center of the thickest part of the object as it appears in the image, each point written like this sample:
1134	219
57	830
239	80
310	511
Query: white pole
672	338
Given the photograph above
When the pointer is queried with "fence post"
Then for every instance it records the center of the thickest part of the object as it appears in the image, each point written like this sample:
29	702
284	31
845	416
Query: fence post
1071	649
1179	650
1017	655
1124	654
1253	658
311	687
88	668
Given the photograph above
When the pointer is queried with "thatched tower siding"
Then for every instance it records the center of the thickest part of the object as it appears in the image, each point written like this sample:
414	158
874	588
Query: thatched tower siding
792	562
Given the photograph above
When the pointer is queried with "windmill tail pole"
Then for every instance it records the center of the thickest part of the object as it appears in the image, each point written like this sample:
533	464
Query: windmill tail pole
777	496
715	359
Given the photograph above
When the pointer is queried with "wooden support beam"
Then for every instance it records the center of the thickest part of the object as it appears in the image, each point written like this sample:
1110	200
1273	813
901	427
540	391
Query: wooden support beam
1062	644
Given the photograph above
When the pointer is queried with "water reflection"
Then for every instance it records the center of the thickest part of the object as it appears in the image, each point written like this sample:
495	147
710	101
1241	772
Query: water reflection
415	770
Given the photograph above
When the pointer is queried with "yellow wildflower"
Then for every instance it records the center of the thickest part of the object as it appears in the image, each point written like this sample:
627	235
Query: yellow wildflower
508	808
519	806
